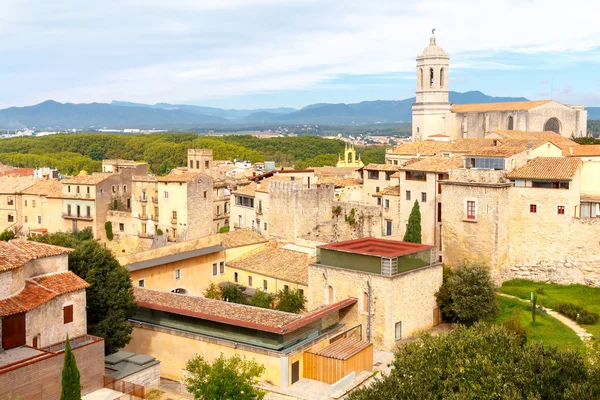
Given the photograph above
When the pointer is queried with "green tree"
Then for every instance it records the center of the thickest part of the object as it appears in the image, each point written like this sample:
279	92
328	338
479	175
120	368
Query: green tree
261	299
108	228
213	292
96	153
473	293
413	230
443	297
483	362
226	378
234	294
7	235
110	300
292	301
224	229
71	385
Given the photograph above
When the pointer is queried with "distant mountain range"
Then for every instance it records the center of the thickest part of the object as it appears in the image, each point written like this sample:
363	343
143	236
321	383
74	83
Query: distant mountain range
120	114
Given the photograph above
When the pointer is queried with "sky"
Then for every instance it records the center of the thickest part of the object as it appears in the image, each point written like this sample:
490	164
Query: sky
291	53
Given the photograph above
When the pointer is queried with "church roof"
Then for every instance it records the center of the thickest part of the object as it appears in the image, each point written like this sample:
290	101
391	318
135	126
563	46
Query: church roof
547	168
506	106
552	137
433	50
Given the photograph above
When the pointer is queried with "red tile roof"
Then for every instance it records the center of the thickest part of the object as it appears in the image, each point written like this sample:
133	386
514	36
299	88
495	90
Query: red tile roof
39	290
16	253
376	247
547	168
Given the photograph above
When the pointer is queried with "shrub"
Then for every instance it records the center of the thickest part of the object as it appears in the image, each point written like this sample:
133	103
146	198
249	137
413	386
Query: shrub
443	297
351	217
109	232
213	292
473	293
234	294
514	326
337	210
159	232
224	229
7	235
577	313
261	299
290	300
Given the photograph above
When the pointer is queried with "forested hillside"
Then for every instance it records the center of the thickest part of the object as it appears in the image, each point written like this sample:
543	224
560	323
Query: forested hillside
75	152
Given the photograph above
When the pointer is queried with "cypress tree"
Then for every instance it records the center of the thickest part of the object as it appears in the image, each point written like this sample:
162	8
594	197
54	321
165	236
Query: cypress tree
71	386
413	230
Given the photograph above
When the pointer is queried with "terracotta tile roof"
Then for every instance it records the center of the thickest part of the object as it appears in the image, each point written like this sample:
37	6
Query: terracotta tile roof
241	237
275	262
465	145
233	314
395	175
344	172
552	137
507	106
41	289
389	191
435	164
94	179
343	349
340	182
16	253
381	167
547	168
246	190
46	187
376	247
16	184
424	148
503	148
582	150
19	172
179	177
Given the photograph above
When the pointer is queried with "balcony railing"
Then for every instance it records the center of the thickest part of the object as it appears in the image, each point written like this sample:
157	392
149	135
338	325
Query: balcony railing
173	221
144	217
155	200
143	199
75	216
154	218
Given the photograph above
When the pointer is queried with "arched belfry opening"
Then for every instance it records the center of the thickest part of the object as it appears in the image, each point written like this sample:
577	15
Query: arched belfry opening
421	82
350	157
441	77
511	123
431	78
552	125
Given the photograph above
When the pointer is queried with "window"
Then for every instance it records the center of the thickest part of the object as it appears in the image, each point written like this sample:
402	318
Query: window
388	228
25	219
121	227
249	281
560	210
68	314
511	123
68	209
166	195
470	210
388	175
264	284
33	203
431	77
439	212
128	203
69	188
88	189
88	211
379	201
373	174
174	216
215	269
11	218
25	202
423	197
387	203
329	294
365	302
39	219
191	164
205	194
124	188
442	77
408	195
533	208
142	283
301	292
485	163
10	200
197	164
398	331
206	164
112	187
415	176
222	267
377	188
235	277
286	287
78	189
552	125
178	274
265	226
218	210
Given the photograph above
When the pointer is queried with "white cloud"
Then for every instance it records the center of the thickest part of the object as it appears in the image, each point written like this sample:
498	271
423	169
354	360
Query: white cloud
192	50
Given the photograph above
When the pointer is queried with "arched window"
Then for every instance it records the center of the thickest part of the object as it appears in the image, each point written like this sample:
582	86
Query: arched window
179	291
442	78
421	82
511	123
552	125
431	77
365	302
329	294
350	160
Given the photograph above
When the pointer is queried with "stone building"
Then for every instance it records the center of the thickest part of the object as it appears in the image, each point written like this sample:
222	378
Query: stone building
395	284
376	177
41	302
11	201
42	207
433	114
389	201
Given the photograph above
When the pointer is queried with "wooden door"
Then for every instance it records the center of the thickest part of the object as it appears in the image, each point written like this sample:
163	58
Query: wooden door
13	331
295	372
436	316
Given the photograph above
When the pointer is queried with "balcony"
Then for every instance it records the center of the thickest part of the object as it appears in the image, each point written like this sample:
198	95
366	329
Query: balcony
75	216
154	218
173	221
144	217
259	211
155	200
143	199
145	235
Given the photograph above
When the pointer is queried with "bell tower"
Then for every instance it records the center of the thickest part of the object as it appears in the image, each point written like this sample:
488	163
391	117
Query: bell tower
432	102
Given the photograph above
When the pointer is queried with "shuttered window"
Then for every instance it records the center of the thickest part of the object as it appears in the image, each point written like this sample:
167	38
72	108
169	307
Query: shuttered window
68	314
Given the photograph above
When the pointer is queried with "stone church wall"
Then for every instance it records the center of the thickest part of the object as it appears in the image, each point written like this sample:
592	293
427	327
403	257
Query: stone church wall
567	116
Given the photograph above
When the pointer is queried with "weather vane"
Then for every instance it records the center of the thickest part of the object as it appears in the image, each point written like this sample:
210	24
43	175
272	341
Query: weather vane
433	31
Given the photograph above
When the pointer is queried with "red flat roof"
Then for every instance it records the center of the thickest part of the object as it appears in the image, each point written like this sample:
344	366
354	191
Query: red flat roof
377	247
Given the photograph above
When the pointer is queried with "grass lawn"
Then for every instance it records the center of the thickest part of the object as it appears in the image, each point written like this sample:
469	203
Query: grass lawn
584	296
547	329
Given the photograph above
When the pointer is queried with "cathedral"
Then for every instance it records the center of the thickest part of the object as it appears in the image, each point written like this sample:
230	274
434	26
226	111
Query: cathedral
433	114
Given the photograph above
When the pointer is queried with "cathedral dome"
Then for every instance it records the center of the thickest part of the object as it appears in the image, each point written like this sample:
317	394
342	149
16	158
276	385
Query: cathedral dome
433	50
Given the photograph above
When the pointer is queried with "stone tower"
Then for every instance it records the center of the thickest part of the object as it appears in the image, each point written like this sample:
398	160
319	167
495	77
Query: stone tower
349	159
432	105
